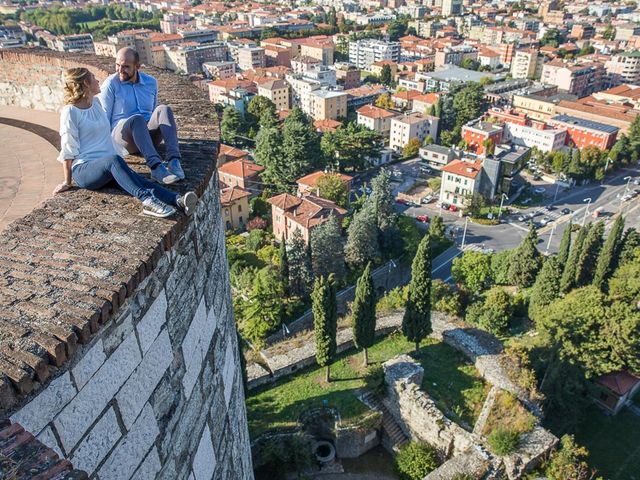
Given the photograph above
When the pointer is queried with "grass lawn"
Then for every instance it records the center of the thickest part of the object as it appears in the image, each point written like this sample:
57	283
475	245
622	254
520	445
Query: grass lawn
456	386
613	443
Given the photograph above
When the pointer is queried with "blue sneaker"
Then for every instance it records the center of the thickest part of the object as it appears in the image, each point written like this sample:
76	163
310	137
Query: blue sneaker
161	175
175	168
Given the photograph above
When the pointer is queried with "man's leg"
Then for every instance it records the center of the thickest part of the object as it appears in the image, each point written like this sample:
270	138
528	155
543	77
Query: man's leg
163	123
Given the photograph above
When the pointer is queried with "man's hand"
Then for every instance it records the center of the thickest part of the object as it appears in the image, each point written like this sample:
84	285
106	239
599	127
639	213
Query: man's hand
63	187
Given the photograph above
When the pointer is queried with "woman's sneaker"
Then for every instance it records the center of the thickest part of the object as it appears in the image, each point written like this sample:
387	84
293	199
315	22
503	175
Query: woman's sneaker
188	202
161	175
175	168
154	207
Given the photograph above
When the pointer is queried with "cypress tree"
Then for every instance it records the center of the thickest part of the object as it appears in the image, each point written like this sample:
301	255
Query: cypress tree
324	308
525	261
565	247
608	260
363	313
630	242
362	238
284	265
300	271
547	286
327	249
568	280
589	255
416	322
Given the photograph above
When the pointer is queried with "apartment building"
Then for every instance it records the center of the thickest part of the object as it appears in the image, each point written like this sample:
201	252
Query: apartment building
523	131
577	79
478	135
413	125
277	91
527	63
219	70
454	55
586	133
437	156
251	57
460	180
347	75
241	173
623	67
327	104
363	53
82	42
451	7
375	118
189	57
235	207
319	47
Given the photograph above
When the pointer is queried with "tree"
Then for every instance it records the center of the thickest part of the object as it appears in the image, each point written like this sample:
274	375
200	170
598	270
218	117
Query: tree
569	462
547	286
622	332
268	153
416	322
565	247
332	187
283	265
384	101
231	126
473	271
493	313
300	271
300	145
411	149
445	298
589	255
551	38
381	199
525	261
568	280
258	107
608	259
263	312
624	284
362	238
630	242
436	229
415	460
468	103
363	313
500	263
609	32
328	250
470	64
325	318
385	75
396	29
351	147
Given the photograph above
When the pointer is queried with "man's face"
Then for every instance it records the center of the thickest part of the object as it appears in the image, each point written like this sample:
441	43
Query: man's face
126	68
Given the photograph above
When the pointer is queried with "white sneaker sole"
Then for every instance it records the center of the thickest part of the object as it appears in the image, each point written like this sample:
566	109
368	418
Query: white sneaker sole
190	200
151	213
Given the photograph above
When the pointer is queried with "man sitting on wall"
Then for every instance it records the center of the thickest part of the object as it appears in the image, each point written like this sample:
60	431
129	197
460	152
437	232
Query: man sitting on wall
138	123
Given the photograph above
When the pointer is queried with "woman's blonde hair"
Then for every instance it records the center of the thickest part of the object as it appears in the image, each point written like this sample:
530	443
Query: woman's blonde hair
74	87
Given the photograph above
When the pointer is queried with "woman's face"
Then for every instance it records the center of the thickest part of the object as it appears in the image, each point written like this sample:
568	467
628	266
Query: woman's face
92	84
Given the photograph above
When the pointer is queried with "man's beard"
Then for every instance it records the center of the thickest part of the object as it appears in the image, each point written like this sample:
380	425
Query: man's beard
125	77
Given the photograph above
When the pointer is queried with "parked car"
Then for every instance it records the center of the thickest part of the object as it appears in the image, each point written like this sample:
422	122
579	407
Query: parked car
453	208
488	251
444	206
522	218
637	181
545	220
565	211
539	190
401	201
532	214
422	218
412	204
427	199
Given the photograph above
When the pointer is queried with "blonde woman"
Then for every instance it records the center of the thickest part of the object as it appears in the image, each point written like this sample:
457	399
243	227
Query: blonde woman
89	157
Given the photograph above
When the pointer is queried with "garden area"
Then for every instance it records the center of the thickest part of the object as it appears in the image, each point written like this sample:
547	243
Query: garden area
455	385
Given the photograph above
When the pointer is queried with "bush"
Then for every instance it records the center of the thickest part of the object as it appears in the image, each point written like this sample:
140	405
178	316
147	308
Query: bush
374	380
568	463
255	240
259	207
485	221
444	298
257	223
503	441
395	299
415	460
463	476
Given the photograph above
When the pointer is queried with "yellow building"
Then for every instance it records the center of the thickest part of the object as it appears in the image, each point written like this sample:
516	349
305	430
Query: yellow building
235	207
277	91
327	104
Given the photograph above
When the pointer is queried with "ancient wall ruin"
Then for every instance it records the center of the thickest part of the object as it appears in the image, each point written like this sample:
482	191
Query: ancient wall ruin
117	346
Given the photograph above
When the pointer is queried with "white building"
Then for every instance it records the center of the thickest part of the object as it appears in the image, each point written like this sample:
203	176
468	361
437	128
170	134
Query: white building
527	64
546	140
451	7
624	68
363	53
460	179
250	58
376	119
410	126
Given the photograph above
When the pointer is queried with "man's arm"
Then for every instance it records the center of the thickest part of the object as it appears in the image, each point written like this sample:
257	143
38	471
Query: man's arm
107	97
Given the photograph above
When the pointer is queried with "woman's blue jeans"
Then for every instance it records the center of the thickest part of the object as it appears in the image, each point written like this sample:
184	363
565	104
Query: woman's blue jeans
95	174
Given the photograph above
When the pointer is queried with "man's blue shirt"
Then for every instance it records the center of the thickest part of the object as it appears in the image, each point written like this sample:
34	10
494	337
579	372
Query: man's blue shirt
122	100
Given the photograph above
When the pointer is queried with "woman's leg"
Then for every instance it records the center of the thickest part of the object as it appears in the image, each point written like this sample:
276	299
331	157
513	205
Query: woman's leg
92	175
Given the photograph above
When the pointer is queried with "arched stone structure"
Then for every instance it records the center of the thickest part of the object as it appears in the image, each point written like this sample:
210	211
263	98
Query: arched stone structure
117	342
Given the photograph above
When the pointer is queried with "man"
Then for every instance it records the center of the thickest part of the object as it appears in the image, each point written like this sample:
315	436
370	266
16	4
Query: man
138	123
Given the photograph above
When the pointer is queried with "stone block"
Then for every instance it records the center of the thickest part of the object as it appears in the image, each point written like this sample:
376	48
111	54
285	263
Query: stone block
149	327
195	346
149	467
117	332
49	439
36	414
132	449
89	364
83	410
98	443
204	461
139	387
229	371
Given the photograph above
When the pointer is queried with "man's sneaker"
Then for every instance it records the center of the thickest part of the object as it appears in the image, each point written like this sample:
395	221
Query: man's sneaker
188	202
154	207
175	168
161	175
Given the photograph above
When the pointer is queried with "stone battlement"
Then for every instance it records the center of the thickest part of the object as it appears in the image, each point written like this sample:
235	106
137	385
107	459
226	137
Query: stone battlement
117	342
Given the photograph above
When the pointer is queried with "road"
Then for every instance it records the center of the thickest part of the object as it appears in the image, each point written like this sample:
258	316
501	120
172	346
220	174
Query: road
511	231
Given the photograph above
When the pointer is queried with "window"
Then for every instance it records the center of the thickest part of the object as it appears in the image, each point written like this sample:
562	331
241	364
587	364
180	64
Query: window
226	212
239	208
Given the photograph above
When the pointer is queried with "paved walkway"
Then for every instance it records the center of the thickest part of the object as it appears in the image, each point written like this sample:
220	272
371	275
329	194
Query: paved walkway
29	170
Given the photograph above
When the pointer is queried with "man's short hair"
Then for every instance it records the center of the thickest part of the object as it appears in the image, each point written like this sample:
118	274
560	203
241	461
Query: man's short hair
126	51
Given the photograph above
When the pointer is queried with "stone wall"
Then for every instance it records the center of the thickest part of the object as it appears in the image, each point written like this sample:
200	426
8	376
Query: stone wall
118	346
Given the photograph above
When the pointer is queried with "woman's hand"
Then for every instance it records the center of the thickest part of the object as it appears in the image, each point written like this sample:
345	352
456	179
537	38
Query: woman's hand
63	187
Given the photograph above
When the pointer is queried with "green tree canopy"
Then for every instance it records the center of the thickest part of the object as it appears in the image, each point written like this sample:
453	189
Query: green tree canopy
362	238
332	187
525	261
231	126
565	247
300	145
416	322
325	321
547	286
300	271
363	313
327	249
568	280
608	259
472	270
351	146
589	255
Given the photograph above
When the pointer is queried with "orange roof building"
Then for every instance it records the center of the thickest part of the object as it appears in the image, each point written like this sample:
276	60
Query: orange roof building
619	388
460	180
235	207
240	173
308	183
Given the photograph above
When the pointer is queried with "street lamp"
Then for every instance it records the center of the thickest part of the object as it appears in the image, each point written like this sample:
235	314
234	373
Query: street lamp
628	179
502	199
553	229
464	234
586	211
557	190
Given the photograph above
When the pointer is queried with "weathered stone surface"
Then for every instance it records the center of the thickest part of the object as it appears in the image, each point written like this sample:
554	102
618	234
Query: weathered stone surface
204	462
533	448
132	449
40	411
150	325
89	364
472	463
49	439
149	467
99	442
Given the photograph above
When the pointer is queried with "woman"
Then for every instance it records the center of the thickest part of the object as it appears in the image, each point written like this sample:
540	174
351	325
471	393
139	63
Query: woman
89	157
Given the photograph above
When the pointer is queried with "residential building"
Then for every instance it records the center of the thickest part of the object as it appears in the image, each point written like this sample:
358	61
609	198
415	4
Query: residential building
219	70
523	131
577	79
323	126
302	64
624	32
364	95
189	57
479	135
375	118
227	153
413	125
290	213
583	31
424	103
437	156
617	390
241	173
251	57
460	180
277	91
586	133
347	75
454	55
82	42
620	95
617	115
363	53
235	207
539	107
451	8
527	63
623	67
377	67
308	185
327	104
320	47
105	49
220	88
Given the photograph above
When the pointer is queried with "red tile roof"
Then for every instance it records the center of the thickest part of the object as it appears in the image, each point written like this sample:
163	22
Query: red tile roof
307	211
619	383
231	194
312	179
232	152
462	168
372	111
327	125
240	168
